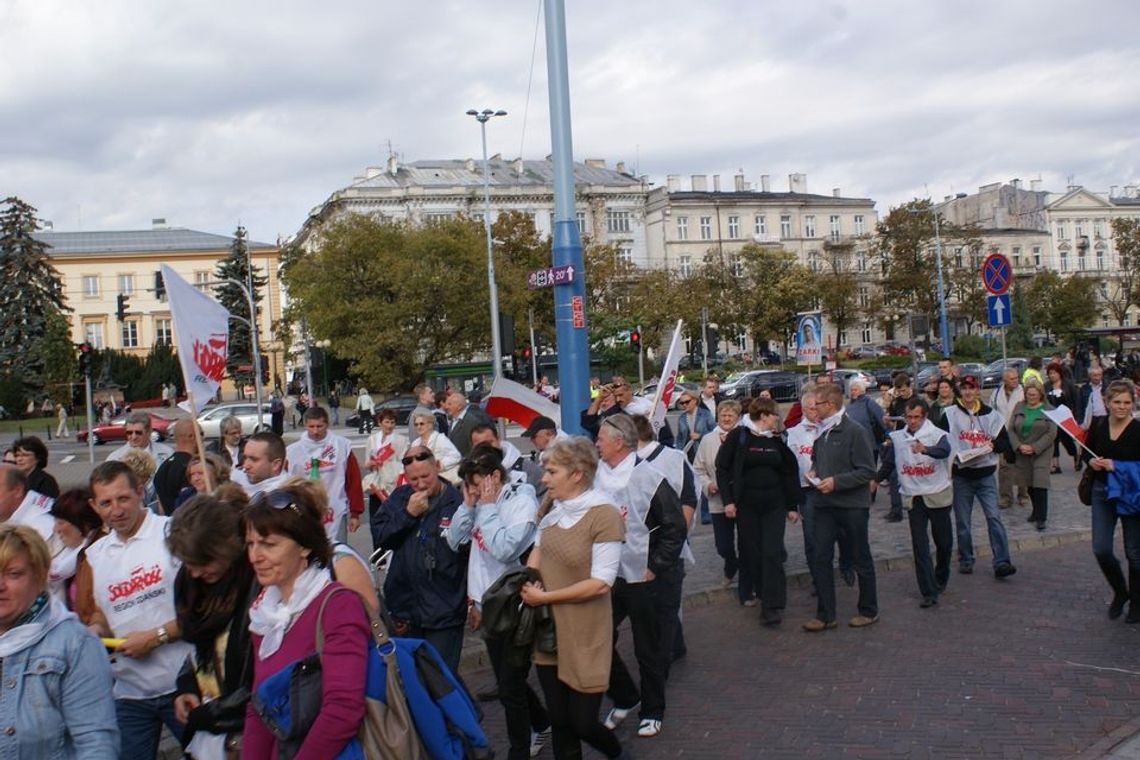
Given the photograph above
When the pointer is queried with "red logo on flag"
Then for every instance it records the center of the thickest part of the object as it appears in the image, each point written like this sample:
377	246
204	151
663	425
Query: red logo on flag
211	356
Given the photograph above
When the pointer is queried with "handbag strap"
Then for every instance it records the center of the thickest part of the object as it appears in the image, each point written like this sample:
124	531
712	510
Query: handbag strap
379	631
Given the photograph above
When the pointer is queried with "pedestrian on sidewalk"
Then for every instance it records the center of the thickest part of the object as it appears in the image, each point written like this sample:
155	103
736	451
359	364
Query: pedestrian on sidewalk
1032	437
61	430
334	406
1115	439
919	453
843	466
365	407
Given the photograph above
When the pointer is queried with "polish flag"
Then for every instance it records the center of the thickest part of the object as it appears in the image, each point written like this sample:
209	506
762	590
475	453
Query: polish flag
668	383
1064	419
519	404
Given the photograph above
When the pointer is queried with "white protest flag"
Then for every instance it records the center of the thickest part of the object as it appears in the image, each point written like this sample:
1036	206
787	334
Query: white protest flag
668	379
201	333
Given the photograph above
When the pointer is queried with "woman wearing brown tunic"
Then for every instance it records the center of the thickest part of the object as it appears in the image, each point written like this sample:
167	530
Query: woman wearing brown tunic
577	551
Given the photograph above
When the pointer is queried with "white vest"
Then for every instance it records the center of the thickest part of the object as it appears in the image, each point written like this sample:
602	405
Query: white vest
672	463
801	440
34	513
919	474
632	499
968	431
333	453
134	589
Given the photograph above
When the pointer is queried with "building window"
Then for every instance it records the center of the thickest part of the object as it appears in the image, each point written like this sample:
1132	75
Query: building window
809	226
618	221
958	258
736	264
1079	229
682	228
625	253
1103	289
742	341
1016	253
1100	259
1127	321
1037	256
126	284
1060	230
201	280
93	334
785	226
861	261
1064	261
864	299
163	334
1098	228
131	334
866	334
833	227
813	260
760	226
477	216
734	228
90	286
706	228
580	217
437	217
860	225
686	266
1081	260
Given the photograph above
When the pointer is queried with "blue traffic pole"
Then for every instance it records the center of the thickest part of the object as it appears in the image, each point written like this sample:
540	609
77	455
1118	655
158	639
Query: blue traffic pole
569	299
943	323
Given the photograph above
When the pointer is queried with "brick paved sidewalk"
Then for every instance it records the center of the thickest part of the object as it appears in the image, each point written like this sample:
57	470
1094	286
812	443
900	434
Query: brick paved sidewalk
1029	667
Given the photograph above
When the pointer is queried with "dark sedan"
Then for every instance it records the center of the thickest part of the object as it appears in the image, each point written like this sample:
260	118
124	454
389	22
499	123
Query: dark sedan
784	386
401	405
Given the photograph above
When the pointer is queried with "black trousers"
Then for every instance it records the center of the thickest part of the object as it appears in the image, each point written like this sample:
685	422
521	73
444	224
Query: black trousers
829	521
762	542
574	718
727	539
637	602
667	595
1039	498
931	577
521	706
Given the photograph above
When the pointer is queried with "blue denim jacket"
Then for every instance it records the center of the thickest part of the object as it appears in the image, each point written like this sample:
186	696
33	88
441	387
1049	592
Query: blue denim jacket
55	697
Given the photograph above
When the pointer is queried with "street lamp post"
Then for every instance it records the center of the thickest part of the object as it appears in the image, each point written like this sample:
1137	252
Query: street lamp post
324	346
496	340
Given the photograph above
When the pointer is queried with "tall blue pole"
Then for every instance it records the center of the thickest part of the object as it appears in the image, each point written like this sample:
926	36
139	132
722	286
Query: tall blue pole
943	323
569	300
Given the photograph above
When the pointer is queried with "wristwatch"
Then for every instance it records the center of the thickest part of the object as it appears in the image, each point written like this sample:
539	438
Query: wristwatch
163	636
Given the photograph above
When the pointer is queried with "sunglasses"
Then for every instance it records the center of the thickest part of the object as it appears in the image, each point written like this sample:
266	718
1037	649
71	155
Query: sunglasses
278	499
423	456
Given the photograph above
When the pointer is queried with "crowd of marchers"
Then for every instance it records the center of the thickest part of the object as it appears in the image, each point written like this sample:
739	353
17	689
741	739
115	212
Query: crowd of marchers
208	575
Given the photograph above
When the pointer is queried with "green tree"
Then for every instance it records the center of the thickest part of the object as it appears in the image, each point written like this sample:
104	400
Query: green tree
1121	290
1060	306
966	296
777	288
1020	335
237	266
838	288
61	364
32	295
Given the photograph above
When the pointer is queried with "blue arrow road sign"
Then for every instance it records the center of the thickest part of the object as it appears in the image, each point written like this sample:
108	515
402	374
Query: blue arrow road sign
998	308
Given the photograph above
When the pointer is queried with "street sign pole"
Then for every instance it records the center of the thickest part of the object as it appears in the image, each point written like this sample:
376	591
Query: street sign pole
1003	357
90	420
705	339
533	348
640	358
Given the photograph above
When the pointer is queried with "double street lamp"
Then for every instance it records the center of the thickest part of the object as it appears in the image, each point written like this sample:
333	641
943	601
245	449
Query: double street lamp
496	339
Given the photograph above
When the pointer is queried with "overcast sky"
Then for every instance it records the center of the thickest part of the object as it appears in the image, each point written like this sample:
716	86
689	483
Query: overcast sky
211	113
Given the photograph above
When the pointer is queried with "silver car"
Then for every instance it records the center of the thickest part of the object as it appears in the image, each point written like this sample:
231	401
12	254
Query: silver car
246	411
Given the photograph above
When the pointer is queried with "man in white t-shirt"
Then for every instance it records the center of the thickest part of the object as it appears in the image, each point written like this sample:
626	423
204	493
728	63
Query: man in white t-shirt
23	507
133	575
138	437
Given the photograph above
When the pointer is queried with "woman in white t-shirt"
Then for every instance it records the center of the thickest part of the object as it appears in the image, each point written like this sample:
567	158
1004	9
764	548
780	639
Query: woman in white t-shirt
441	446
386	448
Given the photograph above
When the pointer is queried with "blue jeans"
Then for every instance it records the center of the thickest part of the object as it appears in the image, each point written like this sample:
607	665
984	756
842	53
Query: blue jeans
140	724
706	517
807	519
985	490
1104	519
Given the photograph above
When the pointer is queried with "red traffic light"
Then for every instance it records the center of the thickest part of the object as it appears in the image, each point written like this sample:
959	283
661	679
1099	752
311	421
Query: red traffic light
84	348
634	338
526	352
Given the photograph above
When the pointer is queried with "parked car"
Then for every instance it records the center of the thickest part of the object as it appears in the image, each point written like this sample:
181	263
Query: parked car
650	390
211	418
116	430
971	368
991	378
767	356
842	377
784	386
864	352
402	405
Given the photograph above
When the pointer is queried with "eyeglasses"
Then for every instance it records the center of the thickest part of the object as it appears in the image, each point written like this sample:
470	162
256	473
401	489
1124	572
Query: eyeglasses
687	401
278	499
136	432
423	456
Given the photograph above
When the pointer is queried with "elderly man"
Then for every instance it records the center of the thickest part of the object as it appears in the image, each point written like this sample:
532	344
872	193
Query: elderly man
262	465
978	438
24	507
1004	398
1090	406
843	467
866	412
133	575
138	434
655	535
462	418
426	586
170	477
319	454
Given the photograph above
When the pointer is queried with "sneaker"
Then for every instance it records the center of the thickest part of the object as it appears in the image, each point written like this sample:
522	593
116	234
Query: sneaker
815	625
1004	570
648	728
749	603
726	583
966	568
616	715
862	621
538	740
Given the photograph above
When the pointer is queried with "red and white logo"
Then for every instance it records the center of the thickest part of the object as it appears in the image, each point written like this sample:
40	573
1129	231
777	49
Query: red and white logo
210	356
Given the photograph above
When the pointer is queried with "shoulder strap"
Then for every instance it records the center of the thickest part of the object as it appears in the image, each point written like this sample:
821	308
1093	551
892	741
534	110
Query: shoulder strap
379	632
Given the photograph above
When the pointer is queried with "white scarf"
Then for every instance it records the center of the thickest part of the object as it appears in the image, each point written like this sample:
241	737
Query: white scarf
613	479
23	636
270	617
566	513
749	423
825	425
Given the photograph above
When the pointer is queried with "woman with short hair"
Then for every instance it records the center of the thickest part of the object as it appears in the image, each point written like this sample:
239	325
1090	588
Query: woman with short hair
229	443
31	456
77	526
440	445
57	695
290	554
386	448
1032	436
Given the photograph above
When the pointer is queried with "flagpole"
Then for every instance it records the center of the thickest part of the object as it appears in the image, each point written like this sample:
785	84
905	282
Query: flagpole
200	444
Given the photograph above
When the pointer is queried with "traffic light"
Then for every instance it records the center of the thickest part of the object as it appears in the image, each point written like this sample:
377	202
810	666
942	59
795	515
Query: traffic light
84	359
124	303
527	352
635	340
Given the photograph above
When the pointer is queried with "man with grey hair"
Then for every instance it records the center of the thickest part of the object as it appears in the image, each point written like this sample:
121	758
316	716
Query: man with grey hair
1004	398
138	434
866	412
655	531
